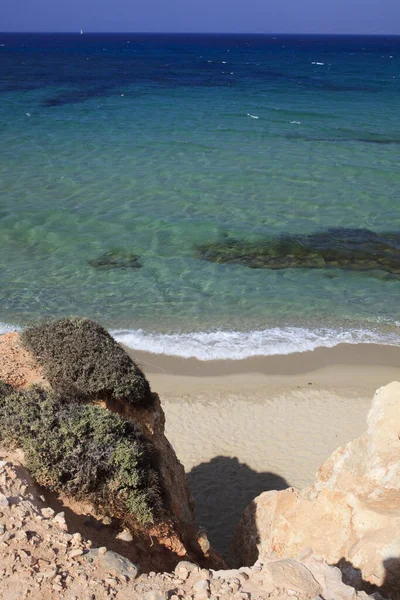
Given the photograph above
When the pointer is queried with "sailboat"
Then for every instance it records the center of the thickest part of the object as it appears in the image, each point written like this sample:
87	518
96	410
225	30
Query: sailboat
81	31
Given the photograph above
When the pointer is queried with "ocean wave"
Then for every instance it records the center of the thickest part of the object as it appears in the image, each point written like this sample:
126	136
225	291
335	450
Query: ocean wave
235	345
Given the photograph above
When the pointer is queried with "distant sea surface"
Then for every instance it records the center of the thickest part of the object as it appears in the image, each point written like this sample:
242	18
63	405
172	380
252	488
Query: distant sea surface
116	146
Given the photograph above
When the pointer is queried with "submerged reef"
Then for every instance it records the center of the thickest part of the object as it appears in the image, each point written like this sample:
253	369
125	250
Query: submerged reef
353	249
115	259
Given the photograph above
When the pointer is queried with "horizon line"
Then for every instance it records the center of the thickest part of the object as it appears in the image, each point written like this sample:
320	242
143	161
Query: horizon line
77	32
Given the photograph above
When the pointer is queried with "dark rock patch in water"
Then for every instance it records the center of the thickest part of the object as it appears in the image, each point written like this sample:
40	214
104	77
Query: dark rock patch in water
354	249
116	259
78	95
361	140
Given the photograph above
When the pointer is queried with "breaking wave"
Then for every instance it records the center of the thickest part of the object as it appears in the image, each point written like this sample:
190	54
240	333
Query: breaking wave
235	345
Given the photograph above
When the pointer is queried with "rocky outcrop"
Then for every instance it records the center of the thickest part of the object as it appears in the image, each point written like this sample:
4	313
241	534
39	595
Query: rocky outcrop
173	536
46	555
350	516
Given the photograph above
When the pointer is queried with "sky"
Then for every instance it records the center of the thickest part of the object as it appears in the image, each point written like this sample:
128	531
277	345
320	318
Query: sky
220	16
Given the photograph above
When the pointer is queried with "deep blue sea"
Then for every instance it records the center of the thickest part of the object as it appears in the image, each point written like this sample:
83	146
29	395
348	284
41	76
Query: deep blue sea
150	145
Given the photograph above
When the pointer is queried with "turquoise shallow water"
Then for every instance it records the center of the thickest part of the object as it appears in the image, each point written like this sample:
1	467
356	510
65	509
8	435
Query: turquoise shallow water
154	144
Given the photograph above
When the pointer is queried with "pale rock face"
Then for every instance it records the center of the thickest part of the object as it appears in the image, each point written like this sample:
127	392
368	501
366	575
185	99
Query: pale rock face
288	575
350	515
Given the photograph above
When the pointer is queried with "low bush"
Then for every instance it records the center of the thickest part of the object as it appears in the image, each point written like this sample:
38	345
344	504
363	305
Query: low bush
5	389
80	357
82	450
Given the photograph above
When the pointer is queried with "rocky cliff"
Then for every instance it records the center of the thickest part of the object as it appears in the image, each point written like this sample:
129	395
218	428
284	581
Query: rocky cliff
77	361
350	516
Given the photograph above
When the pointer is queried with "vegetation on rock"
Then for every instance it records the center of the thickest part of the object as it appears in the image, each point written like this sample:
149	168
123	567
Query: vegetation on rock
82	450
5	389
81	358
355	249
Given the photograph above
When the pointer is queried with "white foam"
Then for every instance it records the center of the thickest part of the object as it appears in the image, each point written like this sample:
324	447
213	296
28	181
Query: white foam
252	116
6	328
238	345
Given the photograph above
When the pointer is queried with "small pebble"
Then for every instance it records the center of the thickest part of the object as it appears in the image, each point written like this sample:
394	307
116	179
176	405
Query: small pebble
154	595
50	574
125	536
3	501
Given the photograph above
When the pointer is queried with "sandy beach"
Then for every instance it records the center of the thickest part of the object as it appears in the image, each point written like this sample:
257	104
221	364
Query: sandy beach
242	427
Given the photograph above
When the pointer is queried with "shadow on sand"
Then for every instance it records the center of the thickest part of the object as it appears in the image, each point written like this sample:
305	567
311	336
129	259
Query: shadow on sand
222	488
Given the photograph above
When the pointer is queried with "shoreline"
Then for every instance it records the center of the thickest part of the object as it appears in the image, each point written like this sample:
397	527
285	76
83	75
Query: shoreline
356	366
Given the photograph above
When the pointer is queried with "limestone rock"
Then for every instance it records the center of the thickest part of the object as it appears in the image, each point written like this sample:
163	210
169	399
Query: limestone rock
288	574
118	564
154	595
350	516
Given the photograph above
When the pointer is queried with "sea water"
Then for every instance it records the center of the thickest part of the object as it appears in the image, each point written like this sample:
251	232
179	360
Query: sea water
154	144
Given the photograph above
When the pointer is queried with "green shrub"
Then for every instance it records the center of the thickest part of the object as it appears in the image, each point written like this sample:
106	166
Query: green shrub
82	450
5	389
80	357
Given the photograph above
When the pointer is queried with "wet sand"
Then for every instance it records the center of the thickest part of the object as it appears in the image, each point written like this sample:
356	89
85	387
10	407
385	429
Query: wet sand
242	427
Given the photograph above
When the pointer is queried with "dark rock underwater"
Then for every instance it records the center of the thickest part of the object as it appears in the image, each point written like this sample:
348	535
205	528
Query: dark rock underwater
342	248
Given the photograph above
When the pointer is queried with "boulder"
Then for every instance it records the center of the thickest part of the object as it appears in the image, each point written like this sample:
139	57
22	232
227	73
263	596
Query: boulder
350	516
